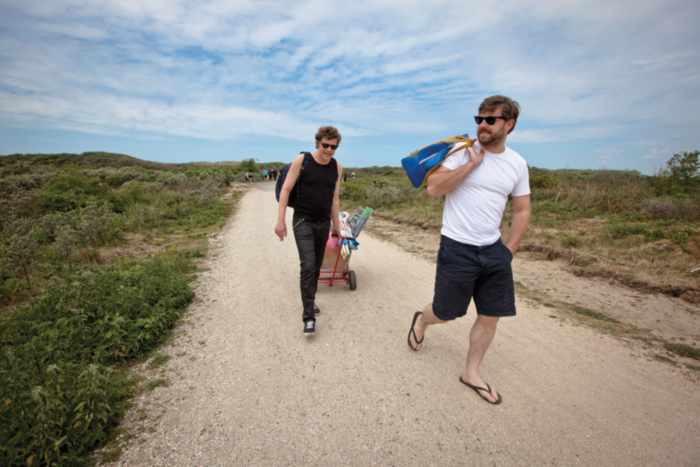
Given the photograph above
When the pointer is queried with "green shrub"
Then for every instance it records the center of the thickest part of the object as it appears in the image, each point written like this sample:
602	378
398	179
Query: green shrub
95	222
247	165
619	231
19	250
60	386
681	177
129	194
72	190
656	234
542	178
385	196
353	191
571	241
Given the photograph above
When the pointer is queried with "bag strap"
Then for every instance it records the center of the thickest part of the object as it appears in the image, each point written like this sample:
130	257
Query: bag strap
468	143
452	139
304	163
458	139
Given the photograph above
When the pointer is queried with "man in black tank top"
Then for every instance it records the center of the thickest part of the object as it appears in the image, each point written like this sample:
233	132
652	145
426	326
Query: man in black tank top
316	208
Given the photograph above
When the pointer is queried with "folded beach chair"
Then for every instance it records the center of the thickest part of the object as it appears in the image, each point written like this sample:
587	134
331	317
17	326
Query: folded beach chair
422	162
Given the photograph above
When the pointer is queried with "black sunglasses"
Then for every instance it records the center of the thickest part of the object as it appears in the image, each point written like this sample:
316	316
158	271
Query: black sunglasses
332	146
489	120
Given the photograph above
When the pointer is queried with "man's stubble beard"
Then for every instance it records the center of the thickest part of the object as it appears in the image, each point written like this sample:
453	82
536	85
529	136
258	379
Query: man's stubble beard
493	139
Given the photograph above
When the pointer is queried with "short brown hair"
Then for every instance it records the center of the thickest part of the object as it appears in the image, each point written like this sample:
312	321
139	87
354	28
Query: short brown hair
510	108
328	132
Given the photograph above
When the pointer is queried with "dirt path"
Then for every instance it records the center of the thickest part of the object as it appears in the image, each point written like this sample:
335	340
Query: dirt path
247	388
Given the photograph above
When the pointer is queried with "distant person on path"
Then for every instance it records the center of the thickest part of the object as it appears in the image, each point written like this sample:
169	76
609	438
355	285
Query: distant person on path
265	175
316	206
472	261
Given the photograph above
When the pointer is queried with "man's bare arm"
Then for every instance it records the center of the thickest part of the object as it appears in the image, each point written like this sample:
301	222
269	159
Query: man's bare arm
521	218
335	210
292	176
444	180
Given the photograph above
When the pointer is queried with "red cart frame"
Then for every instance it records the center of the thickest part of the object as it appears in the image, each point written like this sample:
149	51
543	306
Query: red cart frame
334	275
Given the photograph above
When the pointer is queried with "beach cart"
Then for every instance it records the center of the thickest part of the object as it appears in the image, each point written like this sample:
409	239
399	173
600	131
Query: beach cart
336	261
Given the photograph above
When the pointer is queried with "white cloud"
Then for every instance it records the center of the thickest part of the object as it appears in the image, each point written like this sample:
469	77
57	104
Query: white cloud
656	153
582	71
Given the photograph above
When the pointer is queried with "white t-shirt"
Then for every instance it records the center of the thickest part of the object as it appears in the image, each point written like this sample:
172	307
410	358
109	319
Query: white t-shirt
474	208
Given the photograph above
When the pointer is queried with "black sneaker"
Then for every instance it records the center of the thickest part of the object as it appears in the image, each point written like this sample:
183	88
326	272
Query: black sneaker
316	310
309	327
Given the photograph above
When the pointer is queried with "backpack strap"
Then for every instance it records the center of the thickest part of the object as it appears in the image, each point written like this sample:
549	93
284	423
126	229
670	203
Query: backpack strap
307	159
305	162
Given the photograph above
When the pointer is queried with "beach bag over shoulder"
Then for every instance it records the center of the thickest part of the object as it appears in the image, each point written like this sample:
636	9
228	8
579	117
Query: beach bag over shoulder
283	176
422	162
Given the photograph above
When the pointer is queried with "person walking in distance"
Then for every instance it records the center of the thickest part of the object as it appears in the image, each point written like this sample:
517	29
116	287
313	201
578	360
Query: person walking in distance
472	260
316	207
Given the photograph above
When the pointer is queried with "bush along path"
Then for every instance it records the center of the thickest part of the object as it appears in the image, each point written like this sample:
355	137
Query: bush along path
63	357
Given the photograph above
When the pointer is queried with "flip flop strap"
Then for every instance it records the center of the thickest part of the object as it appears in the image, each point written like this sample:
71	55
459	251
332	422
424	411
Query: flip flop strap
415	338
477	388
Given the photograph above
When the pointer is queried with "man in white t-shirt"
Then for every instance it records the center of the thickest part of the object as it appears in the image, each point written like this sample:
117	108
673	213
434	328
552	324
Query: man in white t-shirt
472	260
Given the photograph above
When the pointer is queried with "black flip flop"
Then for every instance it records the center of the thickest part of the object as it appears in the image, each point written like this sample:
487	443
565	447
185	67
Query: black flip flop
477	389
412	331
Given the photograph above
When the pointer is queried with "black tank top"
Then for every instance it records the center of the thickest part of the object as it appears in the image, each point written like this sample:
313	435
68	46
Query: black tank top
315	198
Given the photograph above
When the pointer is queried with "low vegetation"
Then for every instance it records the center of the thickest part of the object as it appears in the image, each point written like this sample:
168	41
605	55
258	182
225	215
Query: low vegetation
72	317
62	370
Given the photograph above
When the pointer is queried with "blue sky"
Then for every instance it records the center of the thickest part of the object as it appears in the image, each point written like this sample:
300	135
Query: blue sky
611	84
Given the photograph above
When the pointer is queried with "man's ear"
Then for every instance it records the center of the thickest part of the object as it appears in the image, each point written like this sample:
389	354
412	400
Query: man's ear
510	124
318	145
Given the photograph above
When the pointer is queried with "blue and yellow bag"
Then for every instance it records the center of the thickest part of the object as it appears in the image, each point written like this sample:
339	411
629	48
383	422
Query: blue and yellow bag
422	162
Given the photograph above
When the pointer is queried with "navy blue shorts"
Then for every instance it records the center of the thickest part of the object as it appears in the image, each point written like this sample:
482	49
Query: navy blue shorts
465	271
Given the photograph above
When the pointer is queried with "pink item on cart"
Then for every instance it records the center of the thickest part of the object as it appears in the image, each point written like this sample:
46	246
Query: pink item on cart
332	242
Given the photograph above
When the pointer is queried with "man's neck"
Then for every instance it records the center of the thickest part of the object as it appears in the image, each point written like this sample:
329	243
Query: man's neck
495	148
318	157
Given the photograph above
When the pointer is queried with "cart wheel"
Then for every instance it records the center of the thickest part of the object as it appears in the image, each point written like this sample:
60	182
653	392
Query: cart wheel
352	280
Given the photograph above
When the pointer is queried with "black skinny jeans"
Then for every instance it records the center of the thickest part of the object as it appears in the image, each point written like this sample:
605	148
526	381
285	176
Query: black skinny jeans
311	238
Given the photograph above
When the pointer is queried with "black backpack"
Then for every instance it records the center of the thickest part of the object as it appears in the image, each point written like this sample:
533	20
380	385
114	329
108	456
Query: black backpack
283	176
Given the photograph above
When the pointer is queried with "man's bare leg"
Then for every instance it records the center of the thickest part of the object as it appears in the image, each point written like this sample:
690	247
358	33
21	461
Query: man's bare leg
480	339
422	323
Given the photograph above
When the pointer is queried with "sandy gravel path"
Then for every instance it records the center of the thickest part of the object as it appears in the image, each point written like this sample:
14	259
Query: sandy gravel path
247	388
